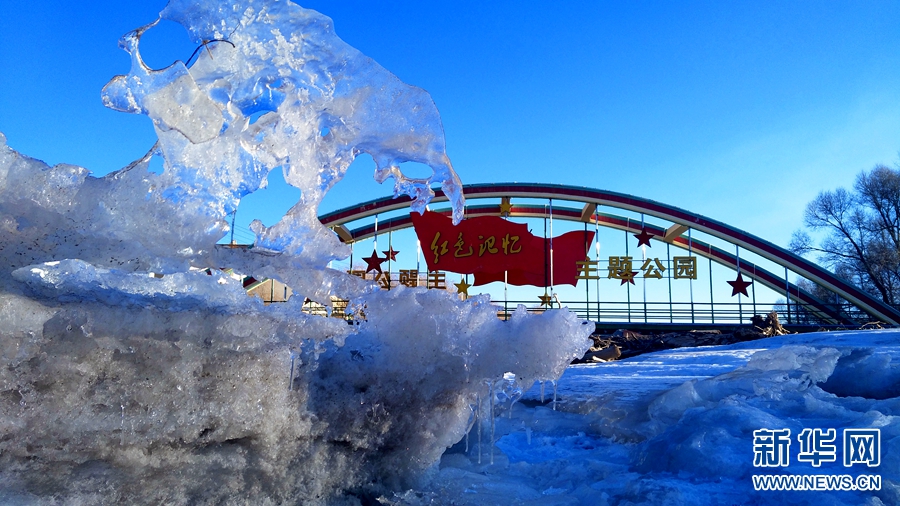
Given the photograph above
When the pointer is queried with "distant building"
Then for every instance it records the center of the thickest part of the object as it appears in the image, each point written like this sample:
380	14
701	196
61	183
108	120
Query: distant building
269	290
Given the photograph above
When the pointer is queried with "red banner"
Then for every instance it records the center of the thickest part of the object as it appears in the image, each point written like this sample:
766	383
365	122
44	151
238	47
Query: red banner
490	246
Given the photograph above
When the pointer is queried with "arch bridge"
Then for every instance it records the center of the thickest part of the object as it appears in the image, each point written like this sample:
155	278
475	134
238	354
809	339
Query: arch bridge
744	255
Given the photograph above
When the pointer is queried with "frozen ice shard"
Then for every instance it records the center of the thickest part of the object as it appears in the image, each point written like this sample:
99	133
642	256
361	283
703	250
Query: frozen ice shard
273	86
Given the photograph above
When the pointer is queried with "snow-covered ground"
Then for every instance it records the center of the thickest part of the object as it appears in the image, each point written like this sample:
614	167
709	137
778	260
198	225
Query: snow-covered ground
677	427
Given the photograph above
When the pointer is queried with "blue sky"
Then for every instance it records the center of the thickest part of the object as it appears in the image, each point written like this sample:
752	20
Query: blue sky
741	111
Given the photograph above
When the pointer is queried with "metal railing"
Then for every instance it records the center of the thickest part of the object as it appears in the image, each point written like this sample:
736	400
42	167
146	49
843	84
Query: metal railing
731	313
724	313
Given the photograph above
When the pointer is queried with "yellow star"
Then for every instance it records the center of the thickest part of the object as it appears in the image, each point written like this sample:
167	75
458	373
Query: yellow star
462	287
546	300
505	206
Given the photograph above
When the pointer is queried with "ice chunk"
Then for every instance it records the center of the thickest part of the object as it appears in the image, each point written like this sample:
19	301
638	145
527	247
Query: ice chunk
131	366
865	373
509	392
324	102
75	280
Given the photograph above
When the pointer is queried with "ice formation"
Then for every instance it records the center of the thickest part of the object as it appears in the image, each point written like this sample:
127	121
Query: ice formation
132	375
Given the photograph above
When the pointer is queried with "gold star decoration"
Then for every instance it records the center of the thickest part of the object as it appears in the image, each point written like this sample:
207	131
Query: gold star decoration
739	285
546	300
505	206
462	287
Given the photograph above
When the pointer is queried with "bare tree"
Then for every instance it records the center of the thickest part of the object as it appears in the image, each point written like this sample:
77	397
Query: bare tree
861	232
800	313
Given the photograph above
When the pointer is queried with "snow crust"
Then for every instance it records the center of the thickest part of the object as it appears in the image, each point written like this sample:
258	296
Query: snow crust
130	375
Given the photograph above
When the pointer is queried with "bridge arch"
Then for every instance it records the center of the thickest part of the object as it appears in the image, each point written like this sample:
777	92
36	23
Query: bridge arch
682	221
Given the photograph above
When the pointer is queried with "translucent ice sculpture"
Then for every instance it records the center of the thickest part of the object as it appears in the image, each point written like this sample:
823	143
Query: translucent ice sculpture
275	87
132	370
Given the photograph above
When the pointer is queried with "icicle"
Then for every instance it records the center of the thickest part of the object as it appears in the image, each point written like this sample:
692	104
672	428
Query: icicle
542	391
511	391
472	417
554	395
318	349
528	435
491	446
291	377
122	433
478	421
